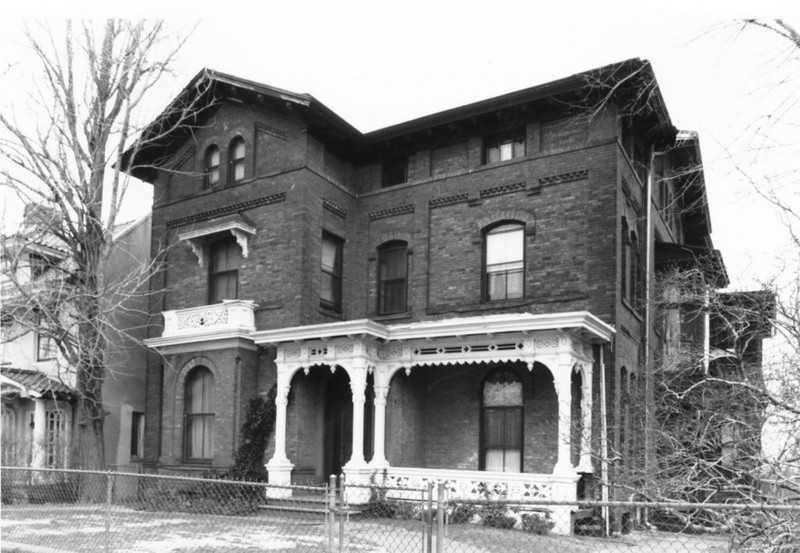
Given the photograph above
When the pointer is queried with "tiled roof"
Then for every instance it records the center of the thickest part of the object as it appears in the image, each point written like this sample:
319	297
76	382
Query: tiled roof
36	381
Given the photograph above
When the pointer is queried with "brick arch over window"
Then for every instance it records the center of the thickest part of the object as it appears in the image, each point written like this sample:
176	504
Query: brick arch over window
497	216
391	236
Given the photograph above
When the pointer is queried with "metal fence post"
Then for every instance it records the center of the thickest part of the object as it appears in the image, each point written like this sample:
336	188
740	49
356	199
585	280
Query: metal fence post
440	512
429	520
109	494
331	514
342	508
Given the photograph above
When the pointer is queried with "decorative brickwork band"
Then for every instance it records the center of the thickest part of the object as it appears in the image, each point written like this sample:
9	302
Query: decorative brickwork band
504	189
564	177
448	200
226	210
333	208
391	212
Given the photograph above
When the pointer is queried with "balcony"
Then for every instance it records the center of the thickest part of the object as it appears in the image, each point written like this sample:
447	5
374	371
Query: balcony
231	319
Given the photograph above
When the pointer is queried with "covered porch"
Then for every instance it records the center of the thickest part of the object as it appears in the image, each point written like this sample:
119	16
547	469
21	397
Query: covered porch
504	400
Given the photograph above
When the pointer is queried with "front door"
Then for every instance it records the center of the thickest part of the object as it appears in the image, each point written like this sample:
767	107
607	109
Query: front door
338	438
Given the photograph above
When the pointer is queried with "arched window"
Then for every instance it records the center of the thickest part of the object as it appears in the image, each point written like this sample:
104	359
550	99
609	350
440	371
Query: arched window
504	262
625	262
236	160
392	277
211	168
635	277
198	408
501	433
223	279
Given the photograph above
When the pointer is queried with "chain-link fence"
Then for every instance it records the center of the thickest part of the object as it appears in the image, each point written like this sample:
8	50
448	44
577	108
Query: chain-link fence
49	510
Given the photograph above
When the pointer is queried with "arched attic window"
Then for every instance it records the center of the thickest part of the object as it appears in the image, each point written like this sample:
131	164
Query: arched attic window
211	166
236	160
504	262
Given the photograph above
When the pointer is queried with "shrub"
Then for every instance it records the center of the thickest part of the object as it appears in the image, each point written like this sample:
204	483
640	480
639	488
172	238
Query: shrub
462	514
535	524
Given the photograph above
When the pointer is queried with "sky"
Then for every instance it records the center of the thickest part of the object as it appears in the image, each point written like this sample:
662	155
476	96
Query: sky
380	63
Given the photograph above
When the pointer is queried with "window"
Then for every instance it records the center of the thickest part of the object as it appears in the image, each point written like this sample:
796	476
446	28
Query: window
501	435
236	160
635	277
40	264
394	171
392	276
504	146
504	255
198	406
211	168
137	434
225	260
54	433
625	262
46	348
330	295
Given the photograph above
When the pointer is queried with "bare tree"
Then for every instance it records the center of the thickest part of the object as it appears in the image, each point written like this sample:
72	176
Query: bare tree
66	166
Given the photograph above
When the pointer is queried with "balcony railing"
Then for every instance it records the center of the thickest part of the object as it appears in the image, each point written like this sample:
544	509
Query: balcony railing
228	316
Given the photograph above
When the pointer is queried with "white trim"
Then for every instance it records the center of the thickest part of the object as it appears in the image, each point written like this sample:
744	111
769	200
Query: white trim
239	230
580	321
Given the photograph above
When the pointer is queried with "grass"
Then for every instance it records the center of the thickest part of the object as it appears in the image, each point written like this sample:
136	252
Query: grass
82	528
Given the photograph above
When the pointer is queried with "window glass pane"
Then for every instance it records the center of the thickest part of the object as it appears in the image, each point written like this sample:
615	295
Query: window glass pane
506	151
505	392
213	157
504	244
394	297
514	284
519	147
237	150
393	263
238	171
493	154
330	251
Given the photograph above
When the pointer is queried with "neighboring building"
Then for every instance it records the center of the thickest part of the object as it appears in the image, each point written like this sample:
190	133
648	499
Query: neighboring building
37	385
462	296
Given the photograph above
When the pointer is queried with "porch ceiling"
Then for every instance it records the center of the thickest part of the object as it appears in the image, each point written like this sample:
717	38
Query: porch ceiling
581	324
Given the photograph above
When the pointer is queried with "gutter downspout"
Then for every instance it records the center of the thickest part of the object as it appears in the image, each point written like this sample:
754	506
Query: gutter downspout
604	444
649	389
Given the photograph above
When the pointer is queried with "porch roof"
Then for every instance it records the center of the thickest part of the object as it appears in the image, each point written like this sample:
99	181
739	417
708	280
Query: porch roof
31	383
582	323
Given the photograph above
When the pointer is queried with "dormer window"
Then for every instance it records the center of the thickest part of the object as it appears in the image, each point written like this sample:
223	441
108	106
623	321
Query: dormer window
211	166
236	160
504	146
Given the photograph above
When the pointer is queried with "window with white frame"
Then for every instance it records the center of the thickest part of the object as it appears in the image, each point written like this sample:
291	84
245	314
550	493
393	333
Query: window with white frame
504	262
236	161
198	405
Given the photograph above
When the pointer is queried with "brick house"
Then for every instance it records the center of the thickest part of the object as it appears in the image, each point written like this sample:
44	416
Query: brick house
462	296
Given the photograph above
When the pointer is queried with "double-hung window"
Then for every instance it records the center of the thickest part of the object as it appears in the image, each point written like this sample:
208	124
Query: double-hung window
392	277
504	146
504	266
330	294
211	169
236	160
198	407
225	260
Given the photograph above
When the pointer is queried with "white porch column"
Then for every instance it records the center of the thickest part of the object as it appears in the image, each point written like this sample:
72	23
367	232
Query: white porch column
356	469
379	456
279	468
563	385
585	463
358	385
39	433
